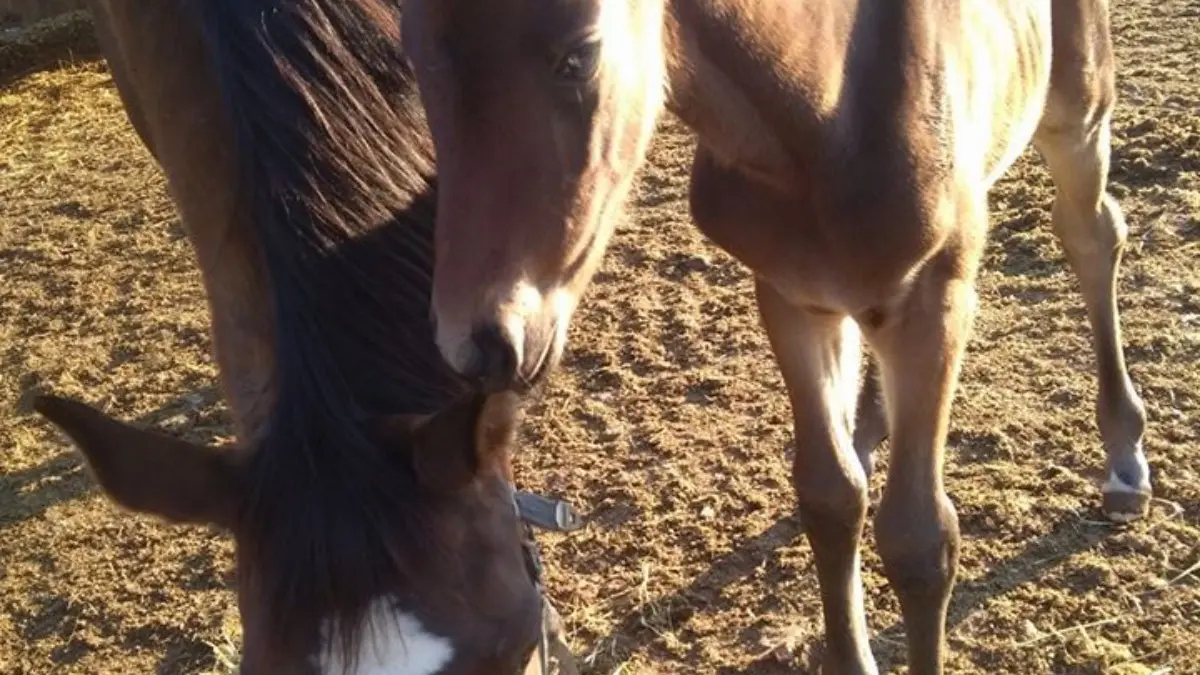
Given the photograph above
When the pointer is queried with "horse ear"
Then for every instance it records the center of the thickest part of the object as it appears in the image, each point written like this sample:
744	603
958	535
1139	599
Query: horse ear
149	472
450	446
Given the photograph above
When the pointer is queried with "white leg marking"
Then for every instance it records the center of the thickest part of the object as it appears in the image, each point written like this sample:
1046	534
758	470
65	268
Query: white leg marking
391	644
1116	484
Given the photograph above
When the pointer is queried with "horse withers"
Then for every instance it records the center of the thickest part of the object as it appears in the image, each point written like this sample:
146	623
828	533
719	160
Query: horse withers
370	495
845	153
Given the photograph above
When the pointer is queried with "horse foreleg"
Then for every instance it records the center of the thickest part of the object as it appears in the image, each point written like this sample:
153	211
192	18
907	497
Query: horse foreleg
920	345
818	355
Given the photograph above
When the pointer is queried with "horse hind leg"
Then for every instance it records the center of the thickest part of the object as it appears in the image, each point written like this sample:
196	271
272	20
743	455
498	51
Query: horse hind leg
1074	140
1091	227
870	426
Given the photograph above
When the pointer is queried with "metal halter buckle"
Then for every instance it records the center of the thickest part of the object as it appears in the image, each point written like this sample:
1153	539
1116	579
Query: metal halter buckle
544	513
555	515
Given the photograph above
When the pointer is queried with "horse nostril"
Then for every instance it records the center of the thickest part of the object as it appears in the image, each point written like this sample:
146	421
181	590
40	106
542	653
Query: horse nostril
496	358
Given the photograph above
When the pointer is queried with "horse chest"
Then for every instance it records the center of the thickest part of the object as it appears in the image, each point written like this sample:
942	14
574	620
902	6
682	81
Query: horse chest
842	254
392	645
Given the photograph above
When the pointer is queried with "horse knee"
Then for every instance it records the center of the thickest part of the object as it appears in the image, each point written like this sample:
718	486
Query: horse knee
1086	217
918	542
831	490
1099	221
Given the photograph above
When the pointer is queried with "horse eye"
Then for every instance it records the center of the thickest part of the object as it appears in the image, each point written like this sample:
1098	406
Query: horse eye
579	64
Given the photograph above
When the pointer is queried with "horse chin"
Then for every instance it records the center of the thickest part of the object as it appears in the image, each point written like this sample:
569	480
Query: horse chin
534	383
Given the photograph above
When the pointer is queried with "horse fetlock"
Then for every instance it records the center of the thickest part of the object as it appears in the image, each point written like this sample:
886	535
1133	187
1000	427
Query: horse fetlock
1120	414
1127	490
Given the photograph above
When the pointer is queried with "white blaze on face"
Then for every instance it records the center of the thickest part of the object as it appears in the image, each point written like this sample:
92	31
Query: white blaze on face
391	644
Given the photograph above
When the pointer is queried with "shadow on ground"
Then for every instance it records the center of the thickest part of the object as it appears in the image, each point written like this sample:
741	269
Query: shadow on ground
28	494
1040	556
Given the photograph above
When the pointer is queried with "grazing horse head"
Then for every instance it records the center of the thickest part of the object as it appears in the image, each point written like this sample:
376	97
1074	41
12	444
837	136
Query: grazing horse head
541	111
406	557
370	495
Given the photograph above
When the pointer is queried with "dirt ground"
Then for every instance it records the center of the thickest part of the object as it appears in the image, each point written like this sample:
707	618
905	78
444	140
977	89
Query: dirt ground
667	424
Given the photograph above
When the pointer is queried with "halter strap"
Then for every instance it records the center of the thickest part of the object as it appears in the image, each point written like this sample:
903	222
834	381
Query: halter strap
555	515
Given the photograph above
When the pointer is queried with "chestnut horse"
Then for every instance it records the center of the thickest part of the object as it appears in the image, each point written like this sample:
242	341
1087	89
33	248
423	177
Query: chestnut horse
845	153
370	493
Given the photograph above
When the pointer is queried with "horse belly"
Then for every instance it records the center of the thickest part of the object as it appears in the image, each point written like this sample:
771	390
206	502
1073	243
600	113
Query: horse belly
998	76
813	254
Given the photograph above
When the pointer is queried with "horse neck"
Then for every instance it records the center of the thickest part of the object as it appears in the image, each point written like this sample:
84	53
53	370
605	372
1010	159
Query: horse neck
766	83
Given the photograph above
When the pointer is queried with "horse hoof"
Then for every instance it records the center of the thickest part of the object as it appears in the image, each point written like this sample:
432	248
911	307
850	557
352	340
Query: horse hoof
1124	504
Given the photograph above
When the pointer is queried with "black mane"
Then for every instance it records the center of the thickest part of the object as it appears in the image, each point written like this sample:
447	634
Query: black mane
336	169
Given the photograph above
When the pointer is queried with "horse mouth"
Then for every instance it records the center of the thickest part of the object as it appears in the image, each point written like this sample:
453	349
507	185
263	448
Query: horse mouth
534	378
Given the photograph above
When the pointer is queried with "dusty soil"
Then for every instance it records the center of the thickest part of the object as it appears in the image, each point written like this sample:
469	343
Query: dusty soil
667	423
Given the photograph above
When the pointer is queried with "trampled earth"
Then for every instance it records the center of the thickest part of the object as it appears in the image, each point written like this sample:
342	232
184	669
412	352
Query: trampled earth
667	424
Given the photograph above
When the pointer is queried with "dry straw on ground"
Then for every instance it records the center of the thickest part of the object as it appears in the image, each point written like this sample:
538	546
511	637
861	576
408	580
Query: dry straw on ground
668	422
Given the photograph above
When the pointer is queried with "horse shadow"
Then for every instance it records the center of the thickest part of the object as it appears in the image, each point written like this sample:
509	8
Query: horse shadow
1040	555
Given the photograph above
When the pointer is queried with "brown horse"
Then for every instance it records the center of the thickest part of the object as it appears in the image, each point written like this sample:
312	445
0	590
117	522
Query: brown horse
845	153
370	495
